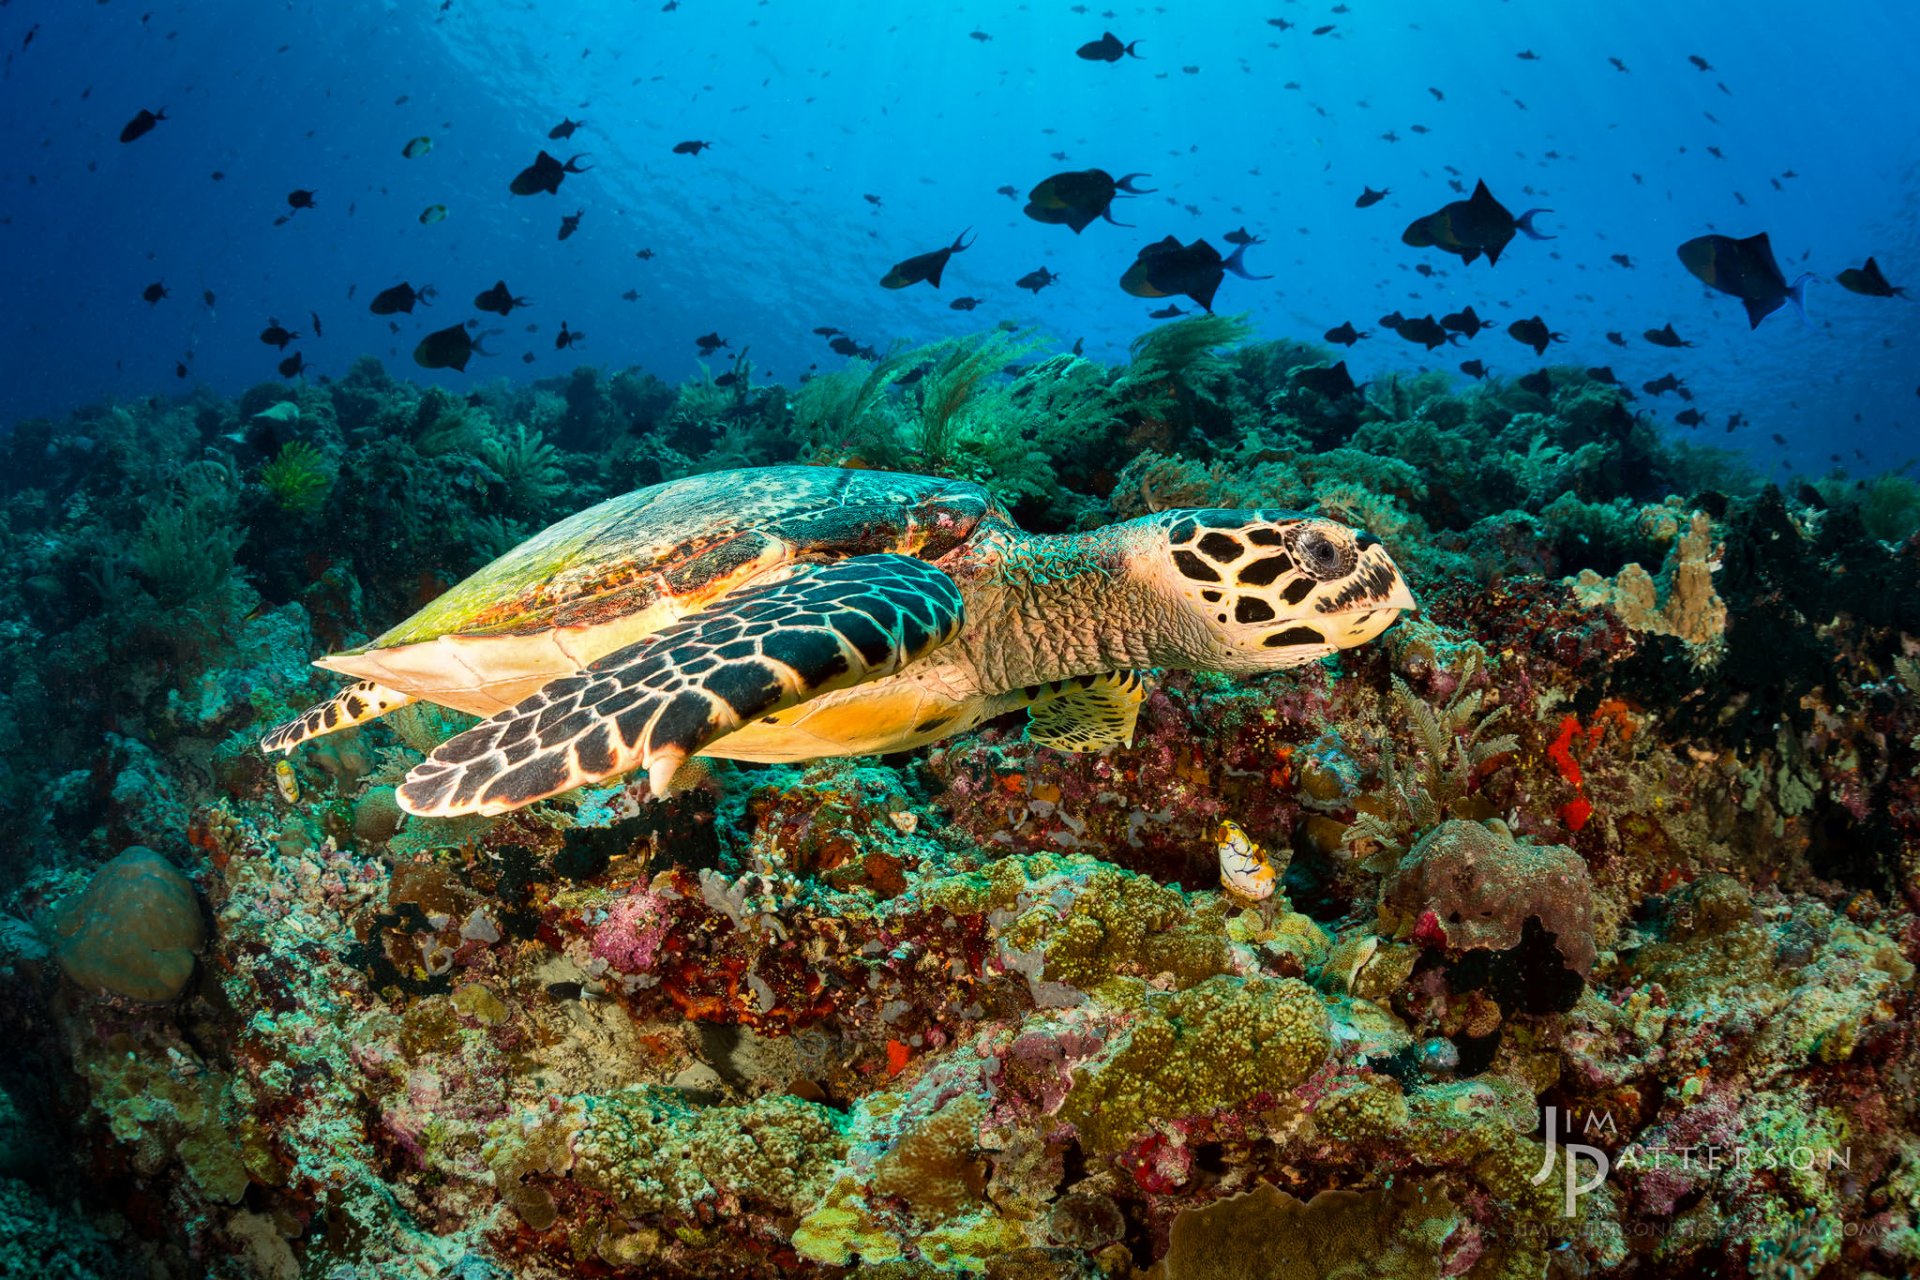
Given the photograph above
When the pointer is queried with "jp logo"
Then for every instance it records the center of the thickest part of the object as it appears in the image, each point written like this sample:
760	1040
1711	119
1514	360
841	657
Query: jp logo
1575	1189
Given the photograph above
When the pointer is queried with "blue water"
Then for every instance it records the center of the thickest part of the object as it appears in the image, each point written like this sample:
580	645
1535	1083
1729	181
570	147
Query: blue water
813	106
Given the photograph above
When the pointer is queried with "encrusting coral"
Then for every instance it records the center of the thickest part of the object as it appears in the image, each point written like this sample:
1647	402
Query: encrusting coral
1631	843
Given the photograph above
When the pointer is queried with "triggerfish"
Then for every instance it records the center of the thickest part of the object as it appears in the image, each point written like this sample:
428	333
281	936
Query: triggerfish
1166	268
1747	270
1479	224
1076	198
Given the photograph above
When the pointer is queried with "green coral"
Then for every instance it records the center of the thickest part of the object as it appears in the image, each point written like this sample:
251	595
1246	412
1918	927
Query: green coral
1213	1047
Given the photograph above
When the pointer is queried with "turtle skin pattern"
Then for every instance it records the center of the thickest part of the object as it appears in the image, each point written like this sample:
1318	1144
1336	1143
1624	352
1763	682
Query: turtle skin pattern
664	698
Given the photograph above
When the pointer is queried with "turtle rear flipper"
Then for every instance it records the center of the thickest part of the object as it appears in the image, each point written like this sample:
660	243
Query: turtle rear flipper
653	704
1087	713
355	704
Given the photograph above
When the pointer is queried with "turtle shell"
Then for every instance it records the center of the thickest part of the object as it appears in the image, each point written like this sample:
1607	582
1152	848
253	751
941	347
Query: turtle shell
609	575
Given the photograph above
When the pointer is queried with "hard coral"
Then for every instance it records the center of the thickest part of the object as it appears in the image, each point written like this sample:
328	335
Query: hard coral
1471	886
134	930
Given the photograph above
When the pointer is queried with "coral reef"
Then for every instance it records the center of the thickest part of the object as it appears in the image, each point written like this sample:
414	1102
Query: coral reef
1612	854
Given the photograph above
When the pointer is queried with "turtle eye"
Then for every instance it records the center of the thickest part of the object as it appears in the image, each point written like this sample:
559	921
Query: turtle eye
1321	555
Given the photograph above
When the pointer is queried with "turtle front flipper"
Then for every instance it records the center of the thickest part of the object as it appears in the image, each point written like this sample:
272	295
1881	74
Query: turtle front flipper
355	704
658	701
1086	713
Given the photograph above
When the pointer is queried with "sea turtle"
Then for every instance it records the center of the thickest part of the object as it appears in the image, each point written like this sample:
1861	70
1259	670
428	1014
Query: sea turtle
793	612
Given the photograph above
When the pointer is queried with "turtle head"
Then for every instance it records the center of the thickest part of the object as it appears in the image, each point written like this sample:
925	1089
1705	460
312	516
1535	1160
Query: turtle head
1274	588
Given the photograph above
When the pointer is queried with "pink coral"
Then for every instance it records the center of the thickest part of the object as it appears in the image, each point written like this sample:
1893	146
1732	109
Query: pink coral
629	939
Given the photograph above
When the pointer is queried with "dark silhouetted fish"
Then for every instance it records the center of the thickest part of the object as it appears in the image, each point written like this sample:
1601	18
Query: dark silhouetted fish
963	304
1036	279
498	299
1665	337
1465	323
923	266
1107	49
417	147
1167	268
1534	333
293	366
1699	62
1468	228
276	336
709	343
1473	368
1076	198
1424	330
154	292
313	318
1167	312
564	130
1010	191
1240	235
845	346
301	198
545	174
570	223
1617	339
401	297
1369	197
179	369
1869	281
1332	381
1345	334
1540	382
1747	270
141	125
1623	260
567	338
1688	418
448	348
1603	373
692	148
1661	385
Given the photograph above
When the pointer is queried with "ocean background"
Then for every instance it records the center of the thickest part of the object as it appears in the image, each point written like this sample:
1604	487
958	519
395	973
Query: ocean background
812	107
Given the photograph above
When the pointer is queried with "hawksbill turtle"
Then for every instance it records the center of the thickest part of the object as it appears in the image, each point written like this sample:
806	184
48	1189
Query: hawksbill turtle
792	612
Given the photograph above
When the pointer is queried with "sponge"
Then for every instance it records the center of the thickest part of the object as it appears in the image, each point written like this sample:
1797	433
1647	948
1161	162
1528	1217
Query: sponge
133	931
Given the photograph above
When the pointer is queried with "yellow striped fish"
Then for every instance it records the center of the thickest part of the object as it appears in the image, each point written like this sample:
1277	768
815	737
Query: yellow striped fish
1244	866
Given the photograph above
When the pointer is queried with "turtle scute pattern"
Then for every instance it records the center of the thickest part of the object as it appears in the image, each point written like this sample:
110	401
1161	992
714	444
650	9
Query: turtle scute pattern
1241	564
664	698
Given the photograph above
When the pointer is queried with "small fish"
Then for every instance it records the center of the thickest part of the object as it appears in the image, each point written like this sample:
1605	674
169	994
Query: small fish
1619	65
1534	333
1345	334
545	174
527	357
564	130
825	330
845	346
179	369
301	198
1107	49
1603	373
1167	312
571	223
631	295
448	348
1240	235
690	148
567	338
276	336
1623	260
1077	198
1424	330
1324	31
141	125
1747	270
1689	418
293	365
963	304
313	318
872	199
1617	339
1010	191
1369	197
417	147
1661	385
1473	368
499	299
285	780
1869	281
207	297
433	213
1468	228
1332	381
154	292
1665	337
1036	280
1167	268
401	297
1245	869
1540	382
709	343
645	255
1465	323
1699	62
925	267
981	36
